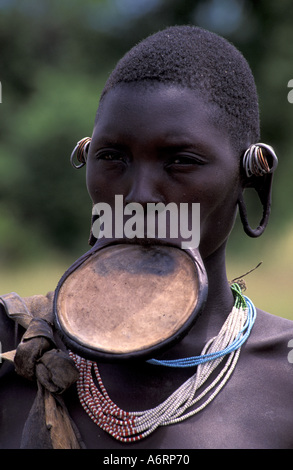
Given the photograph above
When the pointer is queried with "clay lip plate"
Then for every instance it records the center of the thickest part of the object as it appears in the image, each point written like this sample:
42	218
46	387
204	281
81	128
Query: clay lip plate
128	298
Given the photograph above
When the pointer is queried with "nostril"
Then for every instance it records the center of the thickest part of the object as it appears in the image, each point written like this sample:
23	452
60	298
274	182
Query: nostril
141	201
144	186
143	194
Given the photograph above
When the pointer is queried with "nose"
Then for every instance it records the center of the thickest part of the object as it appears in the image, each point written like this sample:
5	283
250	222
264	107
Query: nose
144	186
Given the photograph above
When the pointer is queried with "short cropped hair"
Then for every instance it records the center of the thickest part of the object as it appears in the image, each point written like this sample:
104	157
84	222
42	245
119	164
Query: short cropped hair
193	57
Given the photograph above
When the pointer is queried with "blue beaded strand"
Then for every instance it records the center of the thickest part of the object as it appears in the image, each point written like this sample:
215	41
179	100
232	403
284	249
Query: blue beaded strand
240	301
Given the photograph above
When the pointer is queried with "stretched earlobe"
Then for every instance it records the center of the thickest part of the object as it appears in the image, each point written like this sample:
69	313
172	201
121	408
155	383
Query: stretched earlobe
259	163
266	203
81	151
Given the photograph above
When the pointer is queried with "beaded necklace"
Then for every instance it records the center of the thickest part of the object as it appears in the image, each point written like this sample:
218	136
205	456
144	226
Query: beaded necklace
133	426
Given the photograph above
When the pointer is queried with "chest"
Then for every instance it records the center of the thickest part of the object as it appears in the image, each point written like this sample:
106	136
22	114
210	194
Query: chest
249	412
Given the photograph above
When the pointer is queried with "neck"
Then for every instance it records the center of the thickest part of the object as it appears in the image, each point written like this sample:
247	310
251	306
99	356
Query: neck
219	304
220	298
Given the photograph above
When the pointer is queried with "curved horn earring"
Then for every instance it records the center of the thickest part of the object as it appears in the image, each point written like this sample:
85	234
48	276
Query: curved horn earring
259	160
81	151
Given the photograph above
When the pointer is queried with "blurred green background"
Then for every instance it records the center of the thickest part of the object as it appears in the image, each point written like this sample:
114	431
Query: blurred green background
55	58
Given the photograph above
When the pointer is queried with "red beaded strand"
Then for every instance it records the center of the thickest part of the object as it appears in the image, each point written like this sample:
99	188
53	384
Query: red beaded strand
102	410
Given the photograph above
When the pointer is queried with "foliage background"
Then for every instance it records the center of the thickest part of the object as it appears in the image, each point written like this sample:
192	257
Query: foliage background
55	57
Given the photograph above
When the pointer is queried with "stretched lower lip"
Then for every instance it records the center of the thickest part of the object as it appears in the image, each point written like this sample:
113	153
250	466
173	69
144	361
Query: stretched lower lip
70	306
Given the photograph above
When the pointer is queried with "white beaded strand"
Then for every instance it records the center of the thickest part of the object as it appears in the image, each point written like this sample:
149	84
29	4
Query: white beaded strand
135	425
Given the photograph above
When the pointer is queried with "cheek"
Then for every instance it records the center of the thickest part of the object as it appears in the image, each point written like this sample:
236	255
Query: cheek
218	212
93	187
220	201
99	187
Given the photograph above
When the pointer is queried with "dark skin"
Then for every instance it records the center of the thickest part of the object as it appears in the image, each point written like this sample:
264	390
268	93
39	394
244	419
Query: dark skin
161	145
169	158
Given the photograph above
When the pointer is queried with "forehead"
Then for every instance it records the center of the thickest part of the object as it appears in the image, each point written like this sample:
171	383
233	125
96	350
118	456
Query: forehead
171	112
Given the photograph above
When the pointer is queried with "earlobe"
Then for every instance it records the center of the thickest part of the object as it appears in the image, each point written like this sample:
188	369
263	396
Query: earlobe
259	163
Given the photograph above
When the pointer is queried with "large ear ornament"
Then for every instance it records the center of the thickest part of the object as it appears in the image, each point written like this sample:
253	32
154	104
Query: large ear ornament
81	152
259	163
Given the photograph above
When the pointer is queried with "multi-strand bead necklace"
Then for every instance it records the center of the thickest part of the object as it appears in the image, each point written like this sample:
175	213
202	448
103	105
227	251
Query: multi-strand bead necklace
135	425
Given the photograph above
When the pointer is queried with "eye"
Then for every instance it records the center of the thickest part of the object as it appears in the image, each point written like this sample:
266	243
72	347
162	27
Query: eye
184	161
111	156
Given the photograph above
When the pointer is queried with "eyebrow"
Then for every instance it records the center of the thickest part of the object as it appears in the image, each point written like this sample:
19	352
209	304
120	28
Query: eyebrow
183	142
173	139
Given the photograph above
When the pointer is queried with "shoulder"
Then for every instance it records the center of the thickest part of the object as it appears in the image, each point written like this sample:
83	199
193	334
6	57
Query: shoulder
17	312
271	329
268	349
274	321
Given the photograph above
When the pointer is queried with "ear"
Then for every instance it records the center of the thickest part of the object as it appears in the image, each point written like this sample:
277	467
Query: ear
259	163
